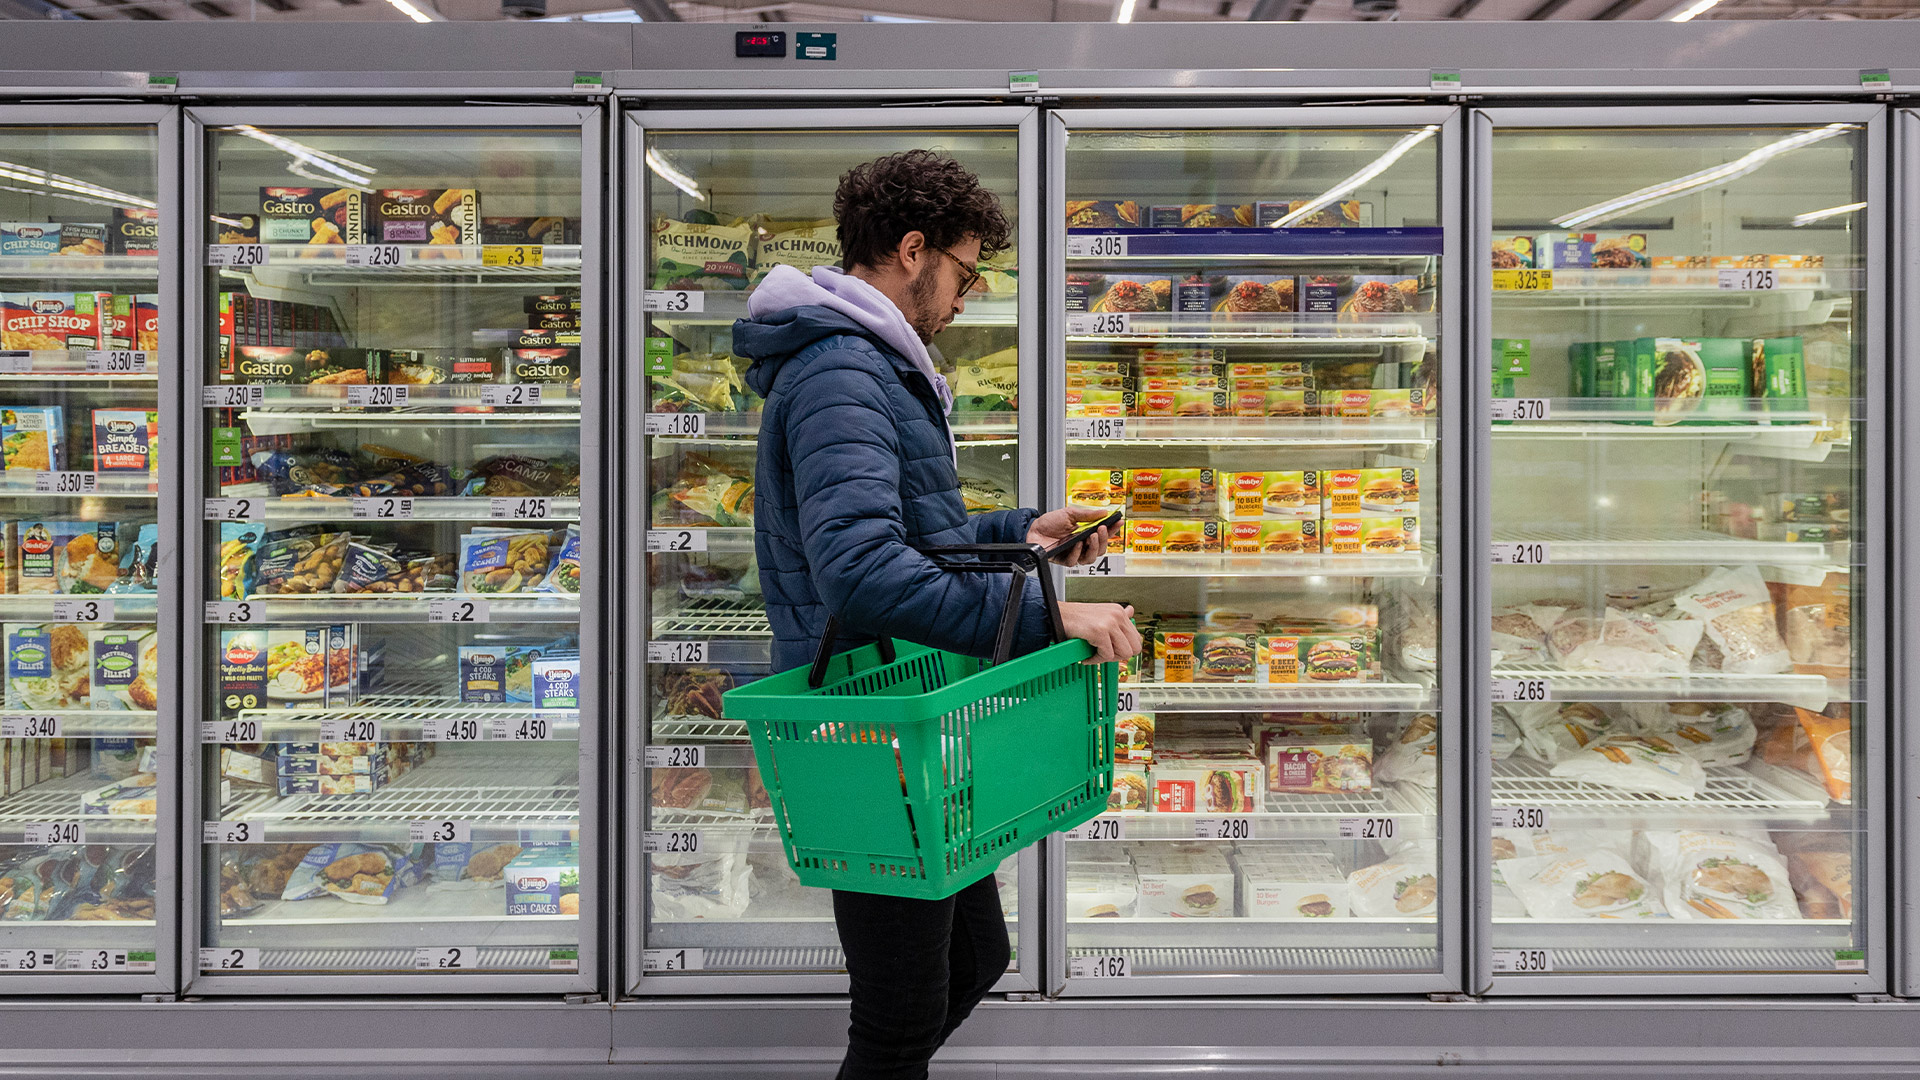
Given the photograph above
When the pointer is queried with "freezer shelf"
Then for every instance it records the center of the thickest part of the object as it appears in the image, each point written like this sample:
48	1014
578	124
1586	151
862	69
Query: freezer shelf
78	935
1287	817
88	723
1746	946
1302	697
523	797
1608	283
1280	431
463	913
1687	547
402	718
1811	692
704	538
1231	947
293	265
1733	797
1396	566
419	508
1253	328
81	267
47	486
1370	244
408	608
722	307
704	618
60	801
744	427
67	368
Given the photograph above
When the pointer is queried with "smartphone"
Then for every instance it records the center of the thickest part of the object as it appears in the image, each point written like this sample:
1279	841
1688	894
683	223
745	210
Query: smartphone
1080	535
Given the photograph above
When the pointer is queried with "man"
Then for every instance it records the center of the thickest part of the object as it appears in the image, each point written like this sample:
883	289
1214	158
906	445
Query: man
856	471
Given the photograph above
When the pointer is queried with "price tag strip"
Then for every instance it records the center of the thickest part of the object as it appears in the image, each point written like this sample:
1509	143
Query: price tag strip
349	729
238	256
66	483
528	509
1104	566
106	960
1523	281
532	729
233	397
385	508
511	395
1522	554
90	610
669	540
676	652
235	509
1522	961
1223	828
232	611
54	832
229	959
1127	701
1748	280
377	396
450	729
1097	247
673	959
374	255
29	727
16	362
117	362
230	731
675	757
1520	817
1521	690
512	255
1100	828
1096	427
1522	409
1106	322
1099	967
445	958
439	832
1367	828
686	425
27	960
459	611
670	842
232	832
673	301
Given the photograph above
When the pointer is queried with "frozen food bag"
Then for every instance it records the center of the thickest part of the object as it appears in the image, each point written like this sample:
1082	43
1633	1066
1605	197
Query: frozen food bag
1506	734
563	572
700	253
1717	736
1552	730
1640	763
1712	875
1739	616
1520	633
1597	883
139	562
1831	738
1830	871
1404	886
356	873
1411	754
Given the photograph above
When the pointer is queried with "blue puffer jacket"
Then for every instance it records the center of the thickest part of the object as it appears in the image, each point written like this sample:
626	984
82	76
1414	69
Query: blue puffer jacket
855	472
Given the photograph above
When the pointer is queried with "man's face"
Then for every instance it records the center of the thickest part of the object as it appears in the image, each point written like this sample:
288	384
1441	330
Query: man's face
934	294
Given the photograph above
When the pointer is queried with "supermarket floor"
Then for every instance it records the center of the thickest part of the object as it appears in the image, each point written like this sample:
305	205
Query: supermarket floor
737	1038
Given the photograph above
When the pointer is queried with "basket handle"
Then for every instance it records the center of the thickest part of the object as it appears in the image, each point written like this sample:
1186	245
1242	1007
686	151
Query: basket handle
1014	559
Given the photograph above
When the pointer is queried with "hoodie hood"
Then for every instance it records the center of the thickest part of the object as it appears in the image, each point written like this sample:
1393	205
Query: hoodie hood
775	326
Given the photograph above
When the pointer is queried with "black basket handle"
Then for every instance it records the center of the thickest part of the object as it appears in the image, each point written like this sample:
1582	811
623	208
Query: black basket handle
1015	560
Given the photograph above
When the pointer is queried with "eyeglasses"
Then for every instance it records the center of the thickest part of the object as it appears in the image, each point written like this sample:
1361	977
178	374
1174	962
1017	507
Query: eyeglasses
969	276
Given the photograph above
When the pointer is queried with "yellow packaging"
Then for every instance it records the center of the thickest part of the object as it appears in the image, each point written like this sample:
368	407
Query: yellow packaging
1340	493
1267	494
1277	658
1152	403
1248	404
1092	402
1287	402
1187	492
1143	491
1097	487
1097	382
1173	656
1389	491
1195	403
1096	367
1373	535
1342	404
1190	537
1299	536
1145	536
1395	404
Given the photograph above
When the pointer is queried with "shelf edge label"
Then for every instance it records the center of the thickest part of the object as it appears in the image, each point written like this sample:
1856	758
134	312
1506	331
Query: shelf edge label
1520	691
1099	967
1520	553
1522	961
1100	828
673	959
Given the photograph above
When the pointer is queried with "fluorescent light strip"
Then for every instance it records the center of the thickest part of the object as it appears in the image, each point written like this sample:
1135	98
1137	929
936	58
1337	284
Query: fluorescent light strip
1381	164
1124	13
1812	216
331	164
1687	13
410	11
1673	189
673	176
67	184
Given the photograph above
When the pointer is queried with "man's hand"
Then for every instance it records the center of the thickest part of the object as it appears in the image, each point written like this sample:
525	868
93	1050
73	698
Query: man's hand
1107	627
1056	525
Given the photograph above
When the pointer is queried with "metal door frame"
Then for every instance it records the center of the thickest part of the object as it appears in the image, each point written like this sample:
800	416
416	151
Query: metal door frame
1454	878
1905	502
165	120
1872	162
636	122
588	121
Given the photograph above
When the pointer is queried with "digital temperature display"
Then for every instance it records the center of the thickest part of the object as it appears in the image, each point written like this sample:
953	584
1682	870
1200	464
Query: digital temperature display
753	43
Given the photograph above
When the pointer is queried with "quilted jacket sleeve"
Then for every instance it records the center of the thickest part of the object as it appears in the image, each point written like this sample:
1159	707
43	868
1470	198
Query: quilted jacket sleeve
1002	526
845	451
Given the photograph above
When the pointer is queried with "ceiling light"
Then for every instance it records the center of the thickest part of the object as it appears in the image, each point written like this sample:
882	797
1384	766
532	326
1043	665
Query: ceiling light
1124	12
1687	13
672	175
410	11
1812	216
1673	189
68	186
1379	165
335	167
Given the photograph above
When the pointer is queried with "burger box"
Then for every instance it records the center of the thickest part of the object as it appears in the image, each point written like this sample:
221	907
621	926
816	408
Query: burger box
1252	495
1319	766
1133	737
1096	367
1107	892
1294	657
1297	886
1143	488
1268	733
1185	886
1187	492
1272	537
1132	789
1389	491
1171	536
1340	493
1378	535
1205	785
1102	402
1272	374
1097	487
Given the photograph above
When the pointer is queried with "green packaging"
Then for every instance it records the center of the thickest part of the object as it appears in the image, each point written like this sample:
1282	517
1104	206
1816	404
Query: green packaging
1580	369
1777	369
1600	369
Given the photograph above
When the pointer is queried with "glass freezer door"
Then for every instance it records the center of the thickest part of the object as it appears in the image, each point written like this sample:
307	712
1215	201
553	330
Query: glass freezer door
1254	324
1687	549
719	200
86	758
399	365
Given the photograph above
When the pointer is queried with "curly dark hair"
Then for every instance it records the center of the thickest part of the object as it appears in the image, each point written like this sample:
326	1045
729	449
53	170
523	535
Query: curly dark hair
887	198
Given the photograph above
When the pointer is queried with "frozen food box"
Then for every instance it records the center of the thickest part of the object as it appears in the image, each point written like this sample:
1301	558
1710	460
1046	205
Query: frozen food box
1778	373
1205	786
83	238
1346	213
523	230
1374	294
1263	294
1097	402
544	880
1319	766
556	683
1377	535
1396	403
29	239
439	216
1135	295
1100	891
1563	250
1223	657
46	321
1333	657
1303	885
1133	736
136	796
1173	655
1389	491
1184	887
1097	487
123	440
540	365
498	672
1512	252
312	215
34	439
1690	380
1132	789
1269	494
1186	492
47	668
1340	493
135	230
116	659
1103	214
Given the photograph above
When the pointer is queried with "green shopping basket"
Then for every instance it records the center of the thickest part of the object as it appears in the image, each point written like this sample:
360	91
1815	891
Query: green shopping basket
911	771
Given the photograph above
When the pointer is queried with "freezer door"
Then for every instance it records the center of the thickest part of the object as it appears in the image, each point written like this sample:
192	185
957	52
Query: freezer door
1252	325
714	202
397	370
1685	505
88	746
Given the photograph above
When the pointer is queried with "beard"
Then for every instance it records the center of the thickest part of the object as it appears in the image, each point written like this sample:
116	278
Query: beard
924	313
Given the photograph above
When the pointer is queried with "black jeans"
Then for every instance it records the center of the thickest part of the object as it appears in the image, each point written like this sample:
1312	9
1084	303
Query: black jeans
918	967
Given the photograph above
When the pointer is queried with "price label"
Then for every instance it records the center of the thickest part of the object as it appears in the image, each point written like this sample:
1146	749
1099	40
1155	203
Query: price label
236	255
673	301
1100	828
234	510
511	395
676	652
26	960
1522	281
66	483
1099	967
563	959
231	832
1849	960
439	832
384	508
443	958
1097	247
16	362
682	425
1105	322
675	757
1104	566
1522	409
1532	818
534	509
1127	701
230	731
1522	554
117	362
233	397
349	729
680	842
1522	690
1223	828
97	960
381	256
1747	280
76	610
54	832
511	255
1522	961
673	959
676	540
1024	82
231	611
459	611
1096	427
377	396
1443	80
450	729
29	727
1367	828
532	729
229	959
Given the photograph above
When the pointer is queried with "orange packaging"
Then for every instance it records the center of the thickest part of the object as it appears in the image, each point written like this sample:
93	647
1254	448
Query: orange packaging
1395	404
1390	491
1249	404
1287	402
1153	402
1097	487
1243	537
1340	492
1342	536
1341	404
1145	536
1277	658
1388	535
1831	738
1092	402
1185	537
1816	619
1143	491
1295	537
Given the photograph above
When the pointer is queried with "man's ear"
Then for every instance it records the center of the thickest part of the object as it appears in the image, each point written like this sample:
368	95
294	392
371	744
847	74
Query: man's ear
911	249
